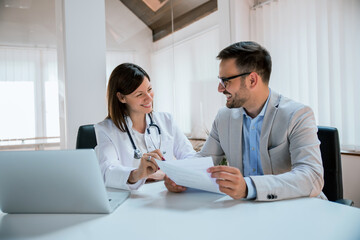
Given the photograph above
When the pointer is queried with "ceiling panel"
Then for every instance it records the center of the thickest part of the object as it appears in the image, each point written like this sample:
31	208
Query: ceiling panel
185	12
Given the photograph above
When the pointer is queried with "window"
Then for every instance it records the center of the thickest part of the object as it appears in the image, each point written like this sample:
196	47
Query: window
28	97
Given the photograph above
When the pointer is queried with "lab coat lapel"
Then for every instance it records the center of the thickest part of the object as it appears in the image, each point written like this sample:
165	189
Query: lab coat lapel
128	122
267	125
147	134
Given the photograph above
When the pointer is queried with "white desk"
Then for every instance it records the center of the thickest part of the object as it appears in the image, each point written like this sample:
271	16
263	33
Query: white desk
154	213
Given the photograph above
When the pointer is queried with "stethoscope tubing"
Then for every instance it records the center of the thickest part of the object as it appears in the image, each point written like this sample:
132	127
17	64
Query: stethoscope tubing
137	152
152	124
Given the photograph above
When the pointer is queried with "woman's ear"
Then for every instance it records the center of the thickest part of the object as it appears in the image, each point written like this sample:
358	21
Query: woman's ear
120	97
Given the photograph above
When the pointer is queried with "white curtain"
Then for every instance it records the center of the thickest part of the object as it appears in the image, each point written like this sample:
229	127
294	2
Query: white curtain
315	48
28	93
185	81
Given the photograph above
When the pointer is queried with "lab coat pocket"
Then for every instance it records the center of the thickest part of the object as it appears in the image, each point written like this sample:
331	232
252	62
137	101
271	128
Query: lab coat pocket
167	149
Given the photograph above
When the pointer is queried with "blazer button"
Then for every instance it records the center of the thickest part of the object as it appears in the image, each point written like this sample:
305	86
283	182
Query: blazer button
275	196
268	196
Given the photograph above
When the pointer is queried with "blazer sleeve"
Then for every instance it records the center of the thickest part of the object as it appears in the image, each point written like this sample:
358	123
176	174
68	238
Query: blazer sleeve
306	176
212	145
114	173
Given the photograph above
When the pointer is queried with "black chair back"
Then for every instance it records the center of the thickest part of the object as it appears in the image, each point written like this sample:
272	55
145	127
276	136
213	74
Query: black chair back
86	137
331	158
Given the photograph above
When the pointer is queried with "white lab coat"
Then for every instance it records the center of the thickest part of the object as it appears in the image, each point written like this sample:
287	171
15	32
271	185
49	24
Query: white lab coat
116	153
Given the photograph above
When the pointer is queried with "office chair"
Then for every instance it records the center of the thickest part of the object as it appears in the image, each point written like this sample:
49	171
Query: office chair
86	137
331	158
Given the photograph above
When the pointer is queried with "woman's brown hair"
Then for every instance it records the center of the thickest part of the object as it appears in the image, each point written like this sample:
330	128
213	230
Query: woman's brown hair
125	79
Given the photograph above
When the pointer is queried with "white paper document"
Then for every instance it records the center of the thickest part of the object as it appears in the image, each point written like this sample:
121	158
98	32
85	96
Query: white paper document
191	172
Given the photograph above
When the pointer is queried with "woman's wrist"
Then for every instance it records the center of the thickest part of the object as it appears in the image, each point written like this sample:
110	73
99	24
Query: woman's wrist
133	177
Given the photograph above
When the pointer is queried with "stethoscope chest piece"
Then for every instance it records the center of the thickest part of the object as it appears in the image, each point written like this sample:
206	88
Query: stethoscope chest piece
137	154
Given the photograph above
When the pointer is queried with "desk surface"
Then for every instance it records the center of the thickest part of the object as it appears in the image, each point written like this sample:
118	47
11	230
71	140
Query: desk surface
154	213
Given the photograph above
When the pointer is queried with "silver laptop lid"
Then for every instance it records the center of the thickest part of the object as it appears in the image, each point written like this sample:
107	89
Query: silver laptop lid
60	181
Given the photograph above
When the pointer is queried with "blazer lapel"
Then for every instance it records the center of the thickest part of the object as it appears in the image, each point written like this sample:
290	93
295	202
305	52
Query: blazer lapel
235	133
269	117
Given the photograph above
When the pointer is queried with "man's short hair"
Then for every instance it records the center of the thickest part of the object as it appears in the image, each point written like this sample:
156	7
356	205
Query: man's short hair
250	57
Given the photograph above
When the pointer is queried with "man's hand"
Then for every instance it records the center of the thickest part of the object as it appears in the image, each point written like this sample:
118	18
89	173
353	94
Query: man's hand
230	180
172	186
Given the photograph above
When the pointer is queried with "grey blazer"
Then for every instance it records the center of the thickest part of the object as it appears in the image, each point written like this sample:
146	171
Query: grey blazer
289	149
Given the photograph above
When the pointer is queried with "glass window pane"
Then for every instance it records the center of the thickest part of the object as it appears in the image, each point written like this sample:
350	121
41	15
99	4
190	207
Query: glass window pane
28	74
17	110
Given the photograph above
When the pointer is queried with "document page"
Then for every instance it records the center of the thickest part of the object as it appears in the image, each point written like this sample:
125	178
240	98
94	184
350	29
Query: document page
191	172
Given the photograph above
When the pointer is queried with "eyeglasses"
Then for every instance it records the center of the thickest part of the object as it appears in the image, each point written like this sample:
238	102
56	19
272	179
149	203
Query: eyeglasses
223	81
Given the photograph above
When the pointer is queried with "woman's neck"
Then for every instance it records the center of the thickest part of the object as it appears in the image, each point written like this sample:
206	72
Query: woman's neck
138	121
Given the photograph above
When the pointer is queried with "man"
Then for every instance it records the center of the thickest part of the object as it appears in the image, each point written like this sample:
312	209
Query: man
270	141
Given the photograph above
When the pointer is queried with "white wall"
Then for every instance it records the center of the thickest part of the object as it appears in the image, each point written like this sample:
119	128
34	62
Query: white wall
127	37
81	65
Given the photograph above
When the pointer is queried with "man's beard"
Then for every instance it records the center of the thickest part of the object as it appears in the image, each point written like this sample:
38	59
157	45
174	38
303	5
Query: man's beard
235	102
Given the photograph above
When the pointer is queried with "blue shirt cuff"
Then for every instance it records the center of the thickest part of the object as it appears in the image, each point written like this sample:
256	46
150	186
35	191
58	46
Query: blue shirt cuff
251	188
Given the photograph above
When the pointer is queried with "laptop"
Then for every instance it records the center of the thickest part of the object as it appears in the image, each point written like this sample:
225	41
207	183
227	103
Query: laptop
56	181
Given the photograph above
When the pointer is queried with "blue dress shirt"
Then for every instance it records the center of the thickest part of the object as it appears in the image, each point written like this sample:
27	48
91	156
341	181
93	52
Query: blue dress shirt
250	148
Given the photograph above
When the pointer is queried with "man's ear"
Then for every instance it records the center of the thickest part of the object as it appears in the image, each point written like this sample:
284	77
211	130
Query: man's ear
121	97
254	79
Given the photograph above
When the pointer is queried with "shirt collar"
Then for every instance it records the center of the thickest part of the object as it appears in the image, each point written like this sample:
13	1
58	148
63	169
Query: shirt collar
262	112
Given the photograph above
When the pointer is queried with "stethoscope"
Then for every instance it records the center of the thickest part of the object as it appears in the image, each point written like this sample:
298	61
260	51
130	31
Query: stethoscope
137	153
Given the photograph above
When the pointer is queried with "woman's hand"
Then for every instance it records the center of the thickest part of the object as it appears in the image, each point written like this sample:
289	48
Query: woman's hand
172	186
159	175
147	166
159	153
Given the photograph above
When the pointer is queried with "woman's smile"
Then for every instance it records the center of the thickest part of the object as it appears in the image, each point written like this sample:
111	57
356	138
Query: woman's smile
149	105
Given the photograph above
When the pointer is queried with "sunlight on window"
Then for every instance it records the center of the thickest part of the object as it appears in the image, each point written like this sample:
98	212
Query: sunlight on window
28	94
52	109
17	110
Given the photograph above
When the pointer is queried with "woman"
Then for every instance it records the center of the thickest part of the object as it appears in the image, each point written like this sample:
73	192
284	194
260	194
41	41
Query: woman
133	136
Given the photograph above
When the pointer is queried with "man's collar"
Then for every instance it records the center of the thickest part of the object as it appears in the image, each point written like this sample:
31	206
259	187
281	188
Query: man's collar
262	112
